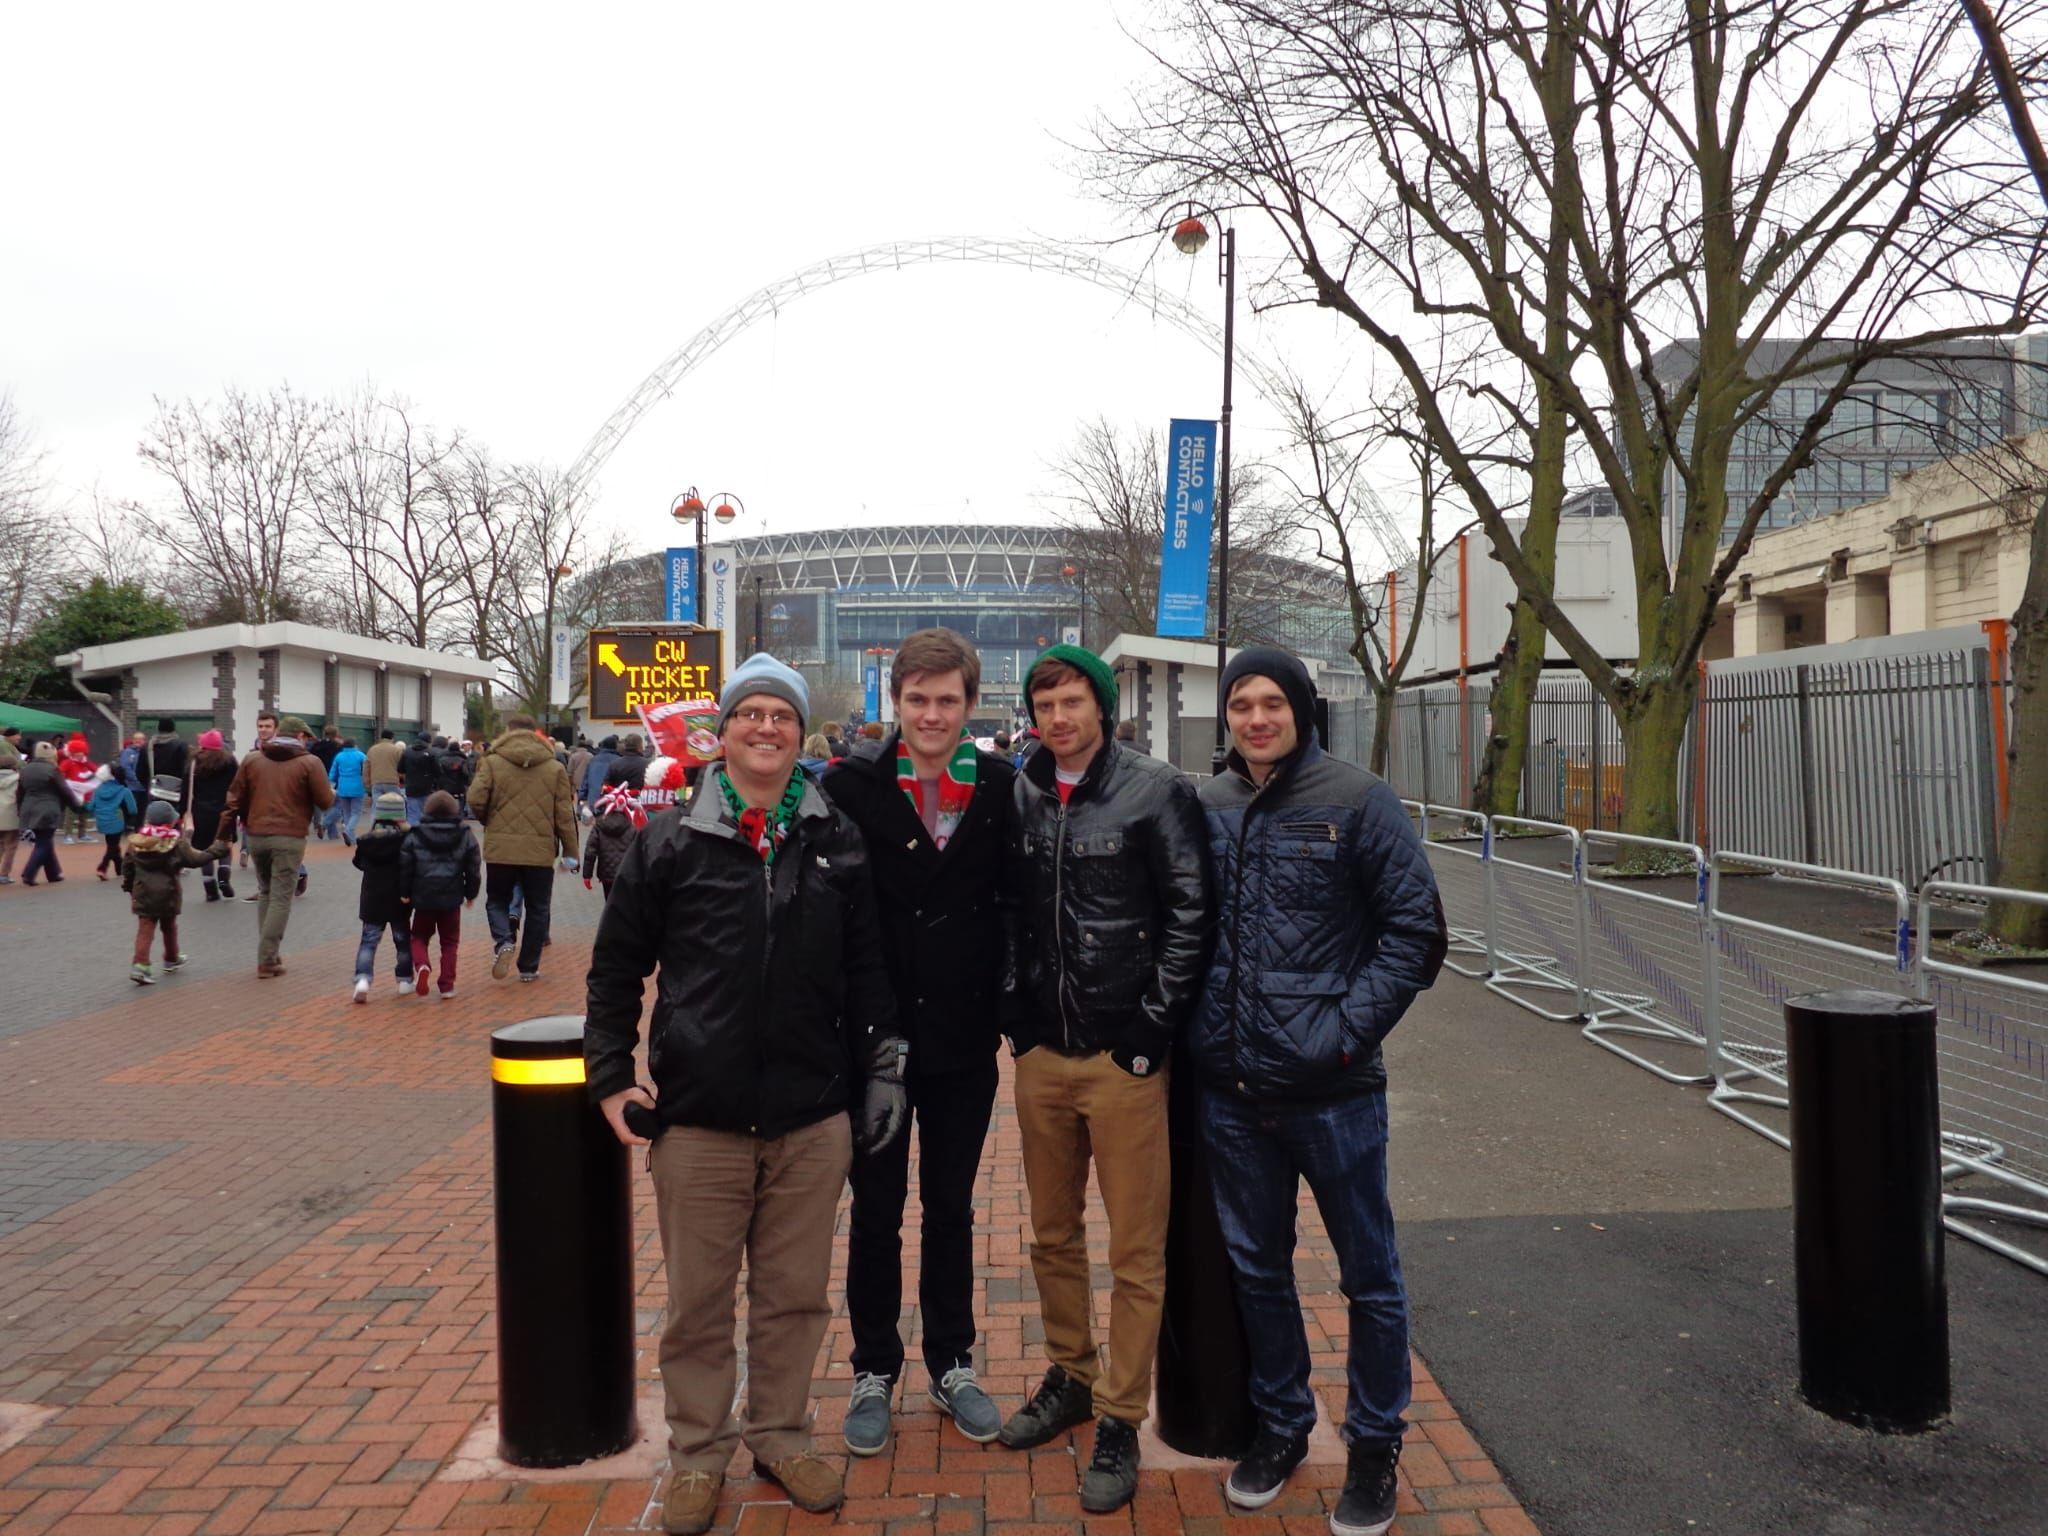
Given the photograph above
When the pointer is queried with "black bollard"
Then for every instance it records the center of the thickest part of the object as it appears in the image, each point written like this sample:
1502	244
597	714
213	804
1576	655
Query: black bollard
1866	1209
565	1254
1202	1381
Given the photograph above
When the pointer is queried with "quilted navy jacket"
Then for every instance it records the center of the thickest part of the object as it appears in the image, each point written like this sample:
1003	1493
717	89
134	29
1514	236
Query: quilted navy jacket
1327	925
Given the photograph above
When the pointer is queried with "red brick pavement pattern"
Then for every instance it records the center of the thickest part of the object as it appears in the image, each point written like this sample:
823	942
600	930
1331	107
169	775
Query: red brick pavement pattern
317	1377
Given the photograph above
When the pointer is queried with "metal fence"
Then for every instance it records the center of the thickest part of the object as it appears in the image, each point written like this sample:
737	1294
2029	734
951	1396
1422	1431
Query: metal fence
1884	764
1693	991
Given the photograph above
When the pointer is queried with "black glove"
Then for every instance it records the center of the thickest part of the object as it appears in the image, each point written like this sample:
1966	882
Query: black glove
884	1107
1141	1058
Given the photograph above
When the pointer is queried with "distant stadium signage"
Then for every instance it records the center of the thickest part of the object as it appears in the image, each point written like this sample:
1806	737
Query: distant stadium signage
1184	540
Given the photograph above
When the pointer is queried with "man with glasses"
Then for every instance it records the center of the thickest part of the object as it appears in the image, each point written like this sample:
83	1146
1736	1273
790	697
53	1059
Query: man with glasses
775	1055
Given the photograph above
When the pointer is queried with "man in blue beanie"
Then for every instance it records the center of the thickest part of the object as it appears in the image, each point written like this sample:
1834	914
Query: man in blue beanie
1328	926
775	1053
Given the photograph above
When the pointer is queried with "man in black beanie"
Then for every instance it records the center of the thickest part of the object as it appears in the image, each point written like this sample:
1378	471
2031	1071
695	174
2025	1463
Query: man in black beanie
1328	925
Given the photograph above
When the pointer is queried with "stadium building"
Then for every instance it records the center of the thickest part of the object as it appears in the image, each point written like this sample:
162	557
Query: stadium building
831	600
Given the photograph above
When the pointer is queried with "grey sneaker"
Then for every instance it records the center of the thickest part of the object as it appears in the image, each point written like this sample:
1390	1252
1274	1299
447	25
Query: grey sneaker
501	963
1112	1475
1057	1406
867	1414
974	1415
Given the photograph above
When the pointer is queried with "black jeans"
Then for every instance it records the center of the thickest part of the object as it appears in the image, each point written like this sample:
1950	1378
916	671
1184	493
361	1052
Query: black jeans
952	1112
536	886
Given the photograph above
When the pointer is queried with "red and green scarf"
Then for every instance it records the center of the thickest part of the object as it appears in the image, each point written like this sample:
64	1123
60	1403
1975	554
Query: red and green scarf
955	787
764	829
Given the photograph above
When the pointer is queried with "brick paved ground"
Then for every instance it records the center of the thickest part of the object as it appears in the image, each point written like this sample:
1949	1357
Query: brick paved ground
246	1278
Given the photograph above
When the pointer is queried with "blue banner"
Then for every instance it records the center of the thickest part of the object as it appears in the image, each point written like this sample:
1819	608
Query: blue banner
681	586
874	690
1184	542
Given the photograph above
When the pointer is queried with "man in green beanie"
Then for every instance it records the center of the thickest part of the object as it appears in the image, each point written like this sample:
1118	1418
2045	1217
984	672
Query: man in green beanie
1113	908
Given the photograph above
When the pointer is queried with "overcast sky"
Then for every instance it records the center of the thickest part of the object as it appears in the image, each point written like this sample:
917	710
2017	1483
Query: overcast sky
512	215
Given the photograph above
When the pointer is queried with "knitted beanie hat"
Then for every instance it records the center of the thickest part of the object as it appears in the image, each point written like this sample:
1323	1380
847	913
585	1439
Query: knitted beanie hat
211	741
388	807
761	673
161	813
1089	665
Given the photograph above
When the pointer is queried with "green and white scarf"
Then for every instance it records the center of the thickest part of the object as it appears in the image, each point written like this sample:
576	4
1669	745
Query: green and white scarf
765	829
955	786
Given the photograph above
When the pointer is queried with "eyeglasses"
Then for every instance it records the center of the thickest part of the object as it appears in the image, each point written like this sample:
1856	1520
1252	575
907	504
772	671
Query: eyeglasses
780	719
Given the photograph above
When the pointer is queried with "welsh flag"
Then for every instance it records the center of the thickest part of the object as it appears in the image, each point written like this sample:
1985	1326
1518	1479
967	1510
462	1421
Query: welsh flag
683	729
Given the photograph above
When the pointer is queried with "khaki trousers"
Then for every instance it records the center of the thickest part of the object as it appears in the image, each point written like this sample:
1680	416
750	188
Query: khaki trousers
719	1196
1068	1108
277	860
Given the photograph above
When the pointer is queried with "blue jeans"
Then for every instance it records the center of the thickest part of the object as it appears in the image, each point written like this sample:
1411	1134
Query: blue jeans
346	811
415	808
1258	1154
401	941
504	885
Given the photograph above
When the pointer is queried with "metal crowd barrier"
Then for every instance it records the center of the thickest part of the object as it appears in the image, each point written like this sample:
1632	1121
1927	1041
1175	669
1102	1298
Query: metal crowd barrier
1991	1044
1695	993
1752	967
1646	962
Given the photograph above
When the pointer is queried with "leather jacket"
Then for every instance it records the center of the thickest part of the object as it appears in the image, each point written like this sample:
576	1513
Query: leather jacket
1113	909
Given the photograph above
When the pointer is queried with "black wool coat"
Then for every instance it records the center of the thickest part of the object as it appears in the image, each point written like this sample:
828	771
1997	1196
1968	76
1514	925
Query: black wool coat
941	910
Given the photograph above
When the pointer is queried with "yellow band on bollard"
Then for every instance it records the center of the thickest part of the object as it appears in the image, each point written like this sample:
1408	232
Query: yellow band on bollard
562	1069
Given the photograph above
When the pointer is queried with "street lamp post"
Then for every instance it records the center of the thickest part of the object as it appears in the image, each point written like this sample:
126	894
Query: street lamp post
1072	572
1189	236
689	508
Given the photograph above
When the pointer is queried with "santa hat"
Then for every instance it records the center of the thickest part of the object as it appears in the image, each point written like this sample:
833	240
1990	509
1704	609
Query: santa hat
75	747
663	783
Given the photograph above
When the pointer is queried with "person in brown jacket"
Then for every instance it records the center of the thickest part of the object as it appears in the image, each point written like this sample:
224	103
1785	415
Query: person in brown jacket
521	795
384	767
275	795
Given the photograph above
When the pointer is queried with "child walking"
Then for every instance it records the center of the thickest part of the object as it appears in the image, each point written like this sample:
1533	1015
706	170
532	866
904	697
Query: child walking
619	816
380	907
114	811
153	866
440	869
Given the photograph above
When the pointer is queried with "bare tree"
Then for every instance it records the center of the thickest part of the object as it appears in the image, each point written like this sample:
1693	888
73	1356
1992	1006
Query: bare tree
1334	453
237	530
551	521
1663	214
476	500
376	501
1108	500
33	539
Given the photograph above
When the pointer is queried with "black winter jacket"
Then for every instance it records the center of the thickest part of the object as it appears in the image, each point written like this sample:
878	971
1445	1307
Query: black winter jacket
604	850
453	771
1327	925
207	779
626	768
422	771
1113	908
377	855
440	866
942	916
772	1003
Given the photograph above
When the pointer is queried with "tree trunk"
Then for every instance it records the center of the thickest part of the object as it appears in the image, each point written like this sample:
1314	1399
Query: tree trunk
1382	727
1652	742
2023	845
1496	791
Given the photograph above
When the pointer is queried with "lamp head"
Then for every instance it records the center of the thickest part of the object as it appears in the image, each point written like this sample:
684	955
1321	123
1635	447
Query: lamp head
1190	235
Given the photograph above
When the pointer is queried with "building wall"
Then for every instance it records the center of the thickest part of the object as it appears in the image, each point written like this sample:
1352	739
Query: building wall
179	685
447	695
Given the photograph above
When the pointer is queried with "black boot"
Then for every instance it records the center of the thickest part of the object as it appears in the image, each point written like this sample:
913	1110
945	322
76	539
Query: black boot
212	891
227	889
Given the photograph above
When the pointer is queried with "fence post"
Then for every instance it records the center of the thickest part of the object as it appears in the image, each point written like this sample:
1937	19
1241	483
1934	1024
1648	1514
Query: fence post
1802	685
1486	887
1595	757
1422	735
1699	764
1987	694
1998	643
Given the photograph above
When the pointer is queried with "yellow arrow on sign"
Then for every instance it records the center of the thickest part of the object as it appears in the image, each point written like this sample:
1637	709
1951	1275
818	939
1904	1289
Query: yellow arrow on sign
608	658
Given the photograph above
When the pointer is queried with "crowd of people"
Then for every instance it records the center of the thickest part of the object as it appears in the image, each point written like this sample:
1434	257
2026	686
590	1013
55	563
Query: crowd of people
161	805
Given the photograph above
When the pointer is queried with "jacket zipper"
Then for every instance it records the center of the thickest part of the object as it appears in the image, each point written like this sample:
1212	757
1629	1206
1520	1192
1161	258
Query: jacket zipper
761	996
1244	827
1059	942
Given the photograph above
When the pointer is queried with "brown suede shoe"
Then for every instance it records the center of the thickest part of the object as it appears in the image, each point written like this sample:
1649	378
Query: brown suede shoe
811	1482
690	1503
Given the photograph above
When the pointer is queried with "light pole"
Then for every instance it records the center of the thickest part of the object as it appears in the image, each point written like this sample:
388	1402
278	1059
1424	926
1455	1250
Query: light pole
689	508
1189	236
1071	572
